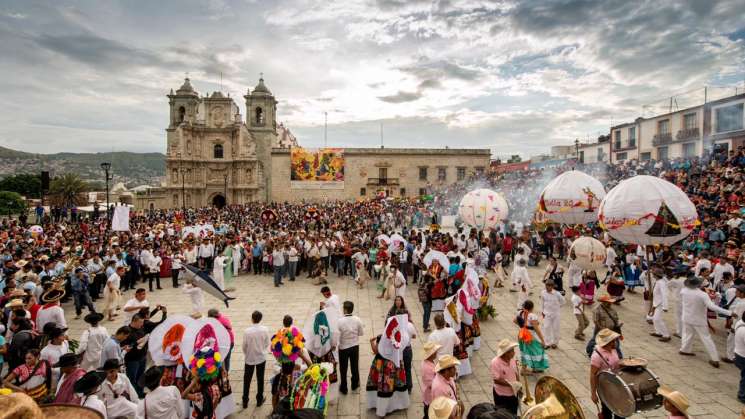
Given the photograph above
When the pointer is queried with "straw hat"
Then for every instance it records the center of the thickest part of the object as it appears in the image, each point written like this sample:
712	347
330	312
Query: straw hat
19	405
605	298
21	263
678	399
442	407
15	303
53	295
430	348
605	337
445	362
504	346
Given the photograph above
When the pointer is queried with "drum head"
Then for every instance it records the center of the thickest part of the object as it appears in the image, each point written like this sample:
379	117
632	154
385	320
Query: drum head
616	394
633	363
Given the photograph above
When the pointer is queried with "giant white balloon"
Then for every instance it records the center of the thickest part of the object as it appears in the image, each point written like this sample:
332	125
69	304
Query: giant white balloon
647	210
572	197
482	209
588	253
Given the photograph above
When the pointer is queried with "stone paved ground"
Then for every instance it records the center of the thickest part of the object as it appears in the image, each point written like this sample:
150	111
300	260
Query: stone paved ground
712	392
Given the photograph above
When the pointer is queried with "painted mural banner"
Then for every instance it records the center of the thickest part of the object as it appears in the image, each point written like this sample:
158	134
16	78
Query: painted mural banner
321	168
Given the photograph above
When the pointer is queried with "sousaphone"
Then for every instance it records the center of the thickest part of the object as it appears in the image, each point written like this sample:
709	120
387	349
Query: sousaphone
553	400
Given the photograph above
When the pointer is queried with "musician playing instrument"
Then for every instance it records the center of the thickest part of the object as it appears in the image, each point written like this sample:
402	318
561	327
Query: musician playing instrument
604	358
505	376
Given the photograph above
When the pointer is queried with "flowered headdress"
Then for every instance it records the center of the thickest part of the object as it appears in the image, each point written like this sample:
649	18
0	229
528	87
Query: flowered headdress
205	364
311	388
287	344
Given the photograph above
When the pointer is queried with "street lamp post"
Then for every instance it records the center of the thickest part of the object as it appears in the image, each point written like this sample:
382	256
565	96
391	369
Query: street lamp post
576	148
106	166
183	189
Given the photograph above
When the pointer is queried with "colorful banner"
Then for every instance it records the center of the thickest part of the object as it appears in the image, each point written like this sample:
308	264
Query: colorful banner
317	168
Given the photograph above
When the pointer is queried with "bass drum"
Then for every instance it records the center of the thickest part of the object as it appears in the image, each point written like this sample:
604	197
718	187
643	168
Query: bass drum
630	390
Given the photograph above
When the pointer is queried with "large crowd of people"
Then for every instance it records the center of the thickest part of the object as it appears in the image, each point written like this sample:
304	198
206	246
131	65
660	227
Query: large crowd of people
109	276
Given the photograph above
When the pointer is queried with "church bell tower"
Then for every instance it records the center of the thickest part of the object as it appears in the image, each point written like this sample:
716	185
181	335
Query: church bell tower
261	120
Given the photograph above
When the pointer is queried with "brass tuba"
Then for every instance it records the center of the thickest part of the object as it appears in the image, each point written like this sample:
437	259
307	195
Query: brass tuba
553	401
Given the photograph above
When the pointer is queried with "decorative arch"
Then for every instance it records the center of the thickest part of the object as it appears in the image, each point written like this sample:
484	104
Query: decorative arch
181	114
259	116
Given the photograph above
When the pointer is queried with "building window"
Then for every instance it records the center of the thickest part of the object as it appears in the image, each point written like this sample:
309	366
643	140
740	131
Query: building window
363	191
601	154
383	174
479	170
645	156
662	153
729	118
689	150
461	173
617	135
621	156
632	137
663	127
689	121
259	116
422	191
582	156
402	191
442	173
422	173
181	114
217	153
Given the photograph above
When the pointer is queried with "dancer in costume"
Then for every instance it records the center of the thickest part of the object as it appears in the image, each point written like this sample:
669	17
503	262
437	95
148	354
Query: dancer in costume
386	383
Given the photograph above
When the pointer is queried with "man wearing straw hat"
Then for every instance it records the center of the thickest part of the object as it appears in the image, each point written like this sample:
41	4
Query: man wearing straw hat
505	377
674	402
695	304
51	312
444	382
428	374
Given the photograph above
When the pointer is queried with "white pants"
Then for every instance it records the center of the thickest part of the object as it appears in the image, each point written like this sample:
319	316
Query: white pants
551	329
730	345
659	323
679	317
703	334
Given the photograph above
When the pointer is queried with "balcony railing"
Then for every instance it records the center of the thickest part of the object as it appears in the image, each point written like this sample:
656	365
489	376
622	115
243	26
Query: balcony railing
688	134
382	181
624	145
662	139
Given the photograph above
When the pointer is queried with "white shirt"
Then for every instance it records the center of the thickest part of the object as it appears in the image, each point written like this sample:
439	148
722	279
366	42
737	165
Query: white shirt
114	280
133	303
256	343
91	342
695	304
740	338
278	258
719	270
576	304
162	403
206	250
53	314
610	256
552	302
659	295
292	254
350	330
701	264
446	338
95	403
333	301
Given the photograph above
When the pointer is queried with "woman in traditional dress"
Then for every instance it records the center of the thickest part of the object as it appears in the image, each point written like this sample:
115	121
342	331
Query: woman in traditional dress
220	264
34	377
287	346
616	285
587	287
207	386
322	340
386	383
530	338
439	285
117	391
228	253
632	273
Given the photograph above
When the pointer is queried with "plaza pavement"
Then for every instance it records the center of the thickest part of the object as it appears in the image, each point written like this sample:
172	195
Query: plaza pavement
712	392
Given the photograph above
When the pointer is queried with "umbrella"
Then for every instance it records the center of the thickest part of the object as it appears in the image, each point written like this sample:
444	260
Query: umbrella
206	283
396	240
439	256
164	343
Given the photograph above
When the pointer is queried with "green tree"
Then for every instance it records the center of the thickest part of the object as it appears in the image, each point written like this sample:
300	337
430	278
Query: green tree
11	203
68	189
25	184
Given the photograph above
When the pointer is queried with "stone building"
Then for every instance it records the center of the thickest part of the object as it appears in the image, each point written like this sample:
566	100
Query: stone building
214	156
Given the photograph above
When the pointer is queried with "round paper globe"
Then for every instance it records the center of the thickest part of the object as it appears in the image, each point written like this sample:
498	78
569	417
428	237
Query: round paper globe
573	197
483	209
647	210
588	253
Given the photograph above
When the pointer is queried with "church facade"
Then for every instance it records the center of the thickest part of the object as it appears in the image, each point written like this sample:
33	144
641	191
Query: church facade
215	156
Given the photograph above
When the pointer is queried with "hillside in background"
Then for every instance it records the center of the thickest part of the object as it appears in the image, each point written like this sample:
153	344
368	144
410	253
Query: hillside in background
133	169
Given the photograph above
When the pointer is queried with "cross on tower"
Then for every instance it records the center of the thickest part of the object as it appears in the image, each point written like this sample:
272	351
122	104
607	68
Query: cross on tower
261	76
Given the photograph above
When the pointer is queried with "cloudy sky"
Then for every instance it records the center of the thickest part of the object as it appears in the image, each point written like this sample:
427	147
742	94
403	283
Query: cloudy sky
513	76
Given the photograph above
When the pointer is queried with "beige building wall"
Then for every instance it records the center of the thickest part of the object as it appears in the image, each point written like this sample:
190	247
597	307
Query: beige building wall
678	141
364	168
595	152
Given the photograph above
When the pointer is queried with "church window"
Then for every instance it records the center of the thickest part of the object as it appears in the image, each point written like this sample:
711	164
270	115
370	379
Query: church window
218	151
259	116
181	114
363	191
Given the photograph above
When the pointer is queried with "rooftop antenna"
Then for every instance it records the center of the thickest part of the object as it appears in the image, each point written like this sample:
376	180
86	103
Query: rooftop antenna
325	129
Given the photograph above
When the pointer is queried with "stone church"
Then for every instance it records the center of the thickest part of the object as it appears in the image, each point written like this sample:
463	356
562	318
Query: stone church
215	157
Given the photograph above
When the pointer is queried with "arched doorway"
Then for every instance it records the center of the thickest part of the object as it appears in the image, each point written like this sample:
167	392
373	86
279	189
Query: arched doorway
218	201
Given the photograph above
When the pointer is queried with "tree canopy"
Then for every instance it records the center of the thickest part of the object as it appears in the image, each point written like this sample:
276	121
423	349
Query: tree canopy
68	189
26	184
11	203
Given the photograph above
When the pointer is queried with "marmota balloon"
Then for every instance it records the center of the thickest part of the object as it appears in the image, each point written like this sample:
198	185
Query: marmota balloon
647	210
571	198
588	253
482	209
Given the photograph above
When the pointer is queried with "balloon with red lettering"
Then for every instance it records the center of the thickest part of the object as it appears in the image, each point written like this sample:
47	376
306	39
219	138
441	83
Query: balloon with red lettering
588	253
646	210
483	209
571	198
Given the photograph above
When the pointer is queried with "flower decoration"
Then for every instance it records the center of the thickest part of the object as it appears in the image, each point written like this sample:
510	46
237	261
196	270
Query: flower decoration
206	364
287	344
311	389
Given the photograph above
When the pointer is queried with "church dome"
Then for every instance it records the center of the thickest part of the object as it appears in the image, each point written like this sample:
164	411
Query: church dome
186	88
261	88
217	95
